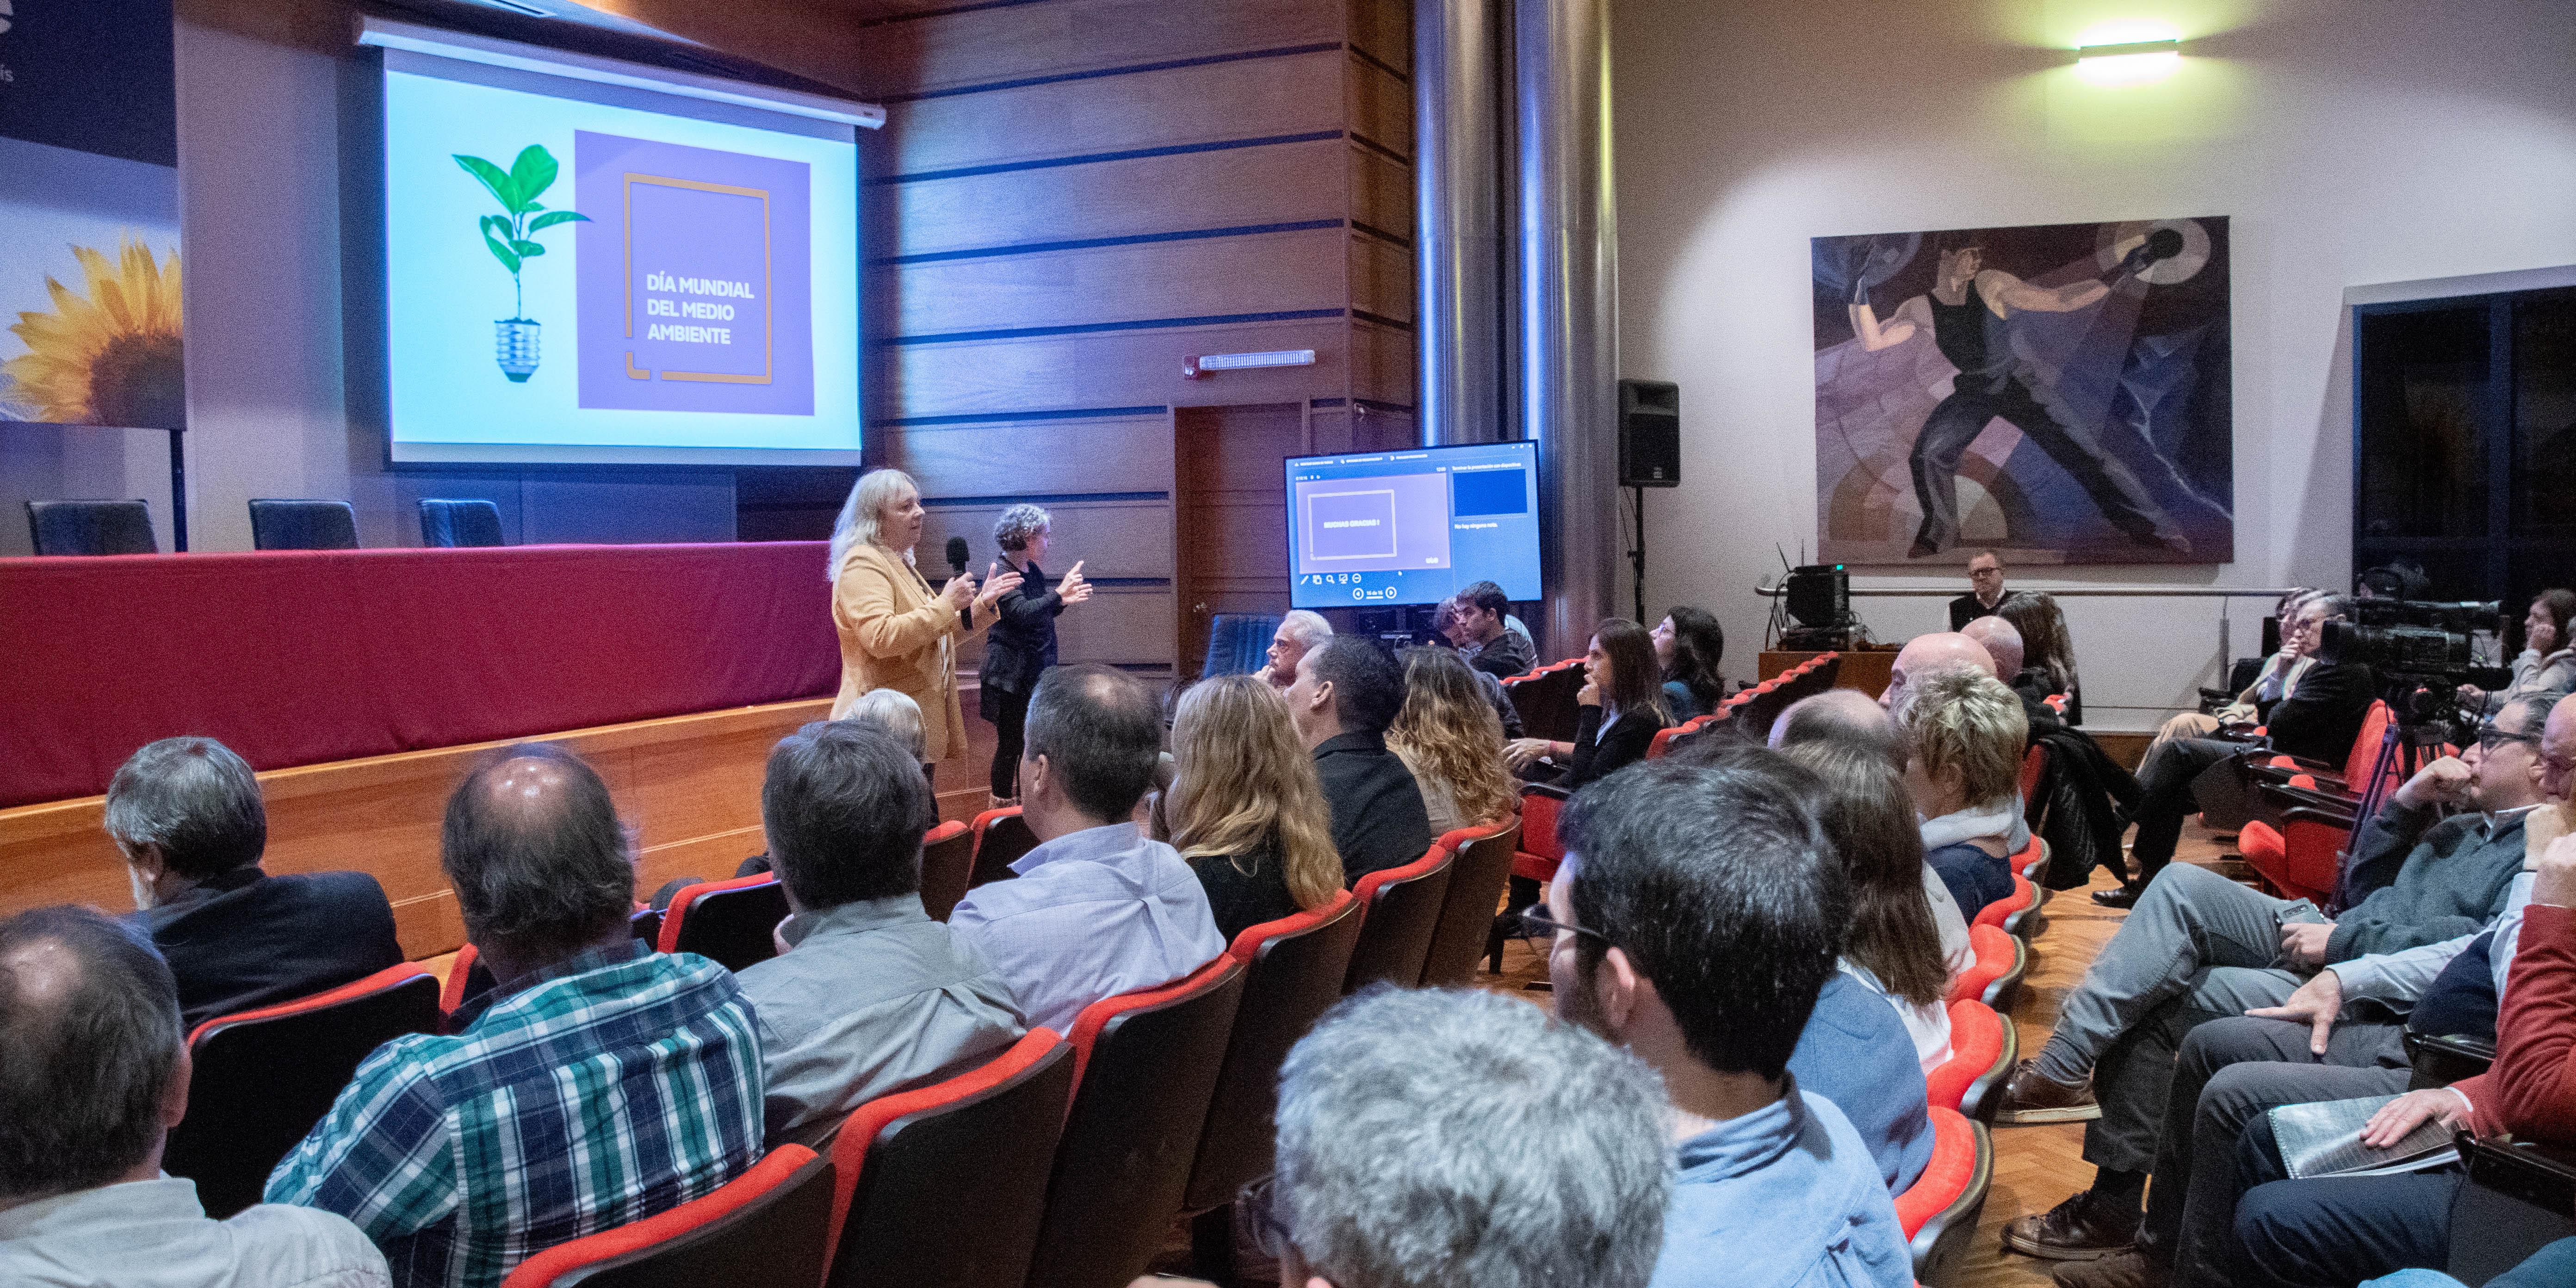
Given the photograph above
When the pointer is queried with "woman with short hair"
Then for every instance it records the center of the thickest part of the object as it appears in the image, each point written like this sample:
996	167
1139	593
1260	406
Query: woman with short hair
1968	732
1022	645
1245	807
1449	735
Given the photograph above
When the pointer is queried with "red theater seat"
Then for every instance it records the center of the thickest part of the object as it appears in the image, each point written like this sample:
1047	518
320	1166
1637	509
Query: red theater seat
947	867
1145	1070
1939	1211
1982	1049
1544	698
766	1226
2303	858
2012	914
732	923
1400	909
1001	837
944	1187
1484	863
1996	976
262	1078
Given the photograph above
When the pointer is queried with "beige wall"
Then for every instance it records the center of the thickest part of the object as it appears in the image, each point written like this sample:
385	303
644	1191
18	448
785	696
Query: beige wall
2352	142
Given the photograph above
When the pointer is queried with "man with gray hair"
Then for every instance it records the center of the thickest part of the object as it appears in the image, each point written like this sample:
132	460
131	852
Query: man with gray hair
93	1074
1299	633
186	814
1437	1138
596	1084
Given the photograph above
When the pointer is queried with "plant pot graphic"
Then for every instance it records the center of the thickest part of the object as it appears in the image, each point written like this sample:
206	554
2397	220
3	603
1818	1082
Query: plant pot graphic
514	343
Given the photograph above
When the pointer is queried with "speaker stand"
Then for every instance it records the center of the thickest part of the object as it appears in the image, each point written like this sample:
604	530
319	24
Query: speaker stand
1637	559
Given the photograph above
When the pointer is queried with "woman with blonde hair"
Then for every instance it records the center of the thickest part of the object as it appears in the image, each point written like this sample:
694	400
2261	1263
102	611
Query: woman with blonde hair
1245	807
895	631
1448	734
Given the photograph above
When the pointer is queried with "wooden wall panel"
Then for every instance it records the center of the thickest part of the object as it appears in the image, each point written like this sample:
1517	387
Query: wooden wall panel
1381	194
1111	538
983	46
1381	108
1123	625
1203	277
1036	457
1250	98
1382	361
1381	278
1107	369
1383	29
1234	188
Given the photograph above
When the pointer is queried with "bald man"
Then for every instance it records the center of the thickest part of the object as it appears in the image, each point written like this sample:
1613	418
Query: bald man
2003	644
1927	655
1846	716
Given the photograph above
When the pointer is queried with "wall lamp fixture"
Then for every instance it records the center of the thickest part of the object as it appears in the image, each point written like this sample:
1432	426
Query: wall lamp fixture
2134	48
1201	365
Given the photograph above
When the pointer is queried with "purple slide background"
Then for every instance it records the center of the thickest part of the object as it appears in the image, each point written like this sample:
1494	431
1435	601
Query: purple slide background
1420	510
688	233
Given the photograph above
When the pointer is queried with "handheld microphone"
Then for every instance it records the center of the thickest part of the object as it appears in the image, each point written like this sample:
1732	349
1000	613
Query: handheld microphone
957	556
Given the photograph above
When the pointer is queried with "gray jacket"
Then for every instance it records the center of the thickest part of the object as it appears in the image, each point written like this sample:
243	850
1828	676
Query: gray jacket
2423	881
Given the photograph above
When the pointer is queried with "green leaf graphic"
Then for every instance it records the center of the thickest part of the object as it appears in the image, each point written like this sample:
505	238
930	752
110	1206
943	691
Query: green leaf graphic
508	258
531	174
527	249
553	217
494	179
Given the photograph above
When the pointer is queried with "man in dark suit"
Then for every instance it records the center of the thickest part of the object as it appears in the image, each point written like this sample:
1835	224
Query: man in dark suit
1986	591
187	815
1345	695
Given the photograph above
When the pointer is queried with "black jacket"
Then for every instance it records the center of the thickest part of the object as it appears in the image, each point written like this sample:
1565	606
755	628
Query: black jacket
2323	715
246	939
1598	755
1021	642
1966	609
2079	803
1378	818
1506	655
1245	890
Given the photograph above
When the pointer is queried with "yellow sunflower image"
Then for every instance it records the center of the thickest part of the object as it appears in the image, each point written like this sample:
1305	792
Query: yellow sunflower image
107	355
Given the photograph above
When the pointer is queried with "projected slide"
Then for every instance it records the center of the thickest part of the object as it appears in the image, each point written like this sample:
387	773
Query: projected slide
1412	527
590	273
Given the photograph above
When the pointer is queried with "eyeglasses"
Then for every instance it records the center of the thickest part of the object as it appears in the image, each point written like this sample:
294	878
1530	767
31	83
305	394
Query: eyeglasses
1256	1217
2490	738
1535	921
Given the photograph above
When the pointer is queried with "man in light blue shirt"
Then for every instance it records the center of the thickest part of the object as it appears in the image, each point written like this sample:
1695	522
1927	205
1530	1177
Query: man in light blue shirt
1675	877
1098	908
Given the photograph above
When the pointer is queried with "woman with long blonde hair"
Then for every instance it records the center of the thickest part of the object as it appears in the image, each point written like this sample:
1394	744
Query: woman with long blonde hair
895	631
1245	807
1448	734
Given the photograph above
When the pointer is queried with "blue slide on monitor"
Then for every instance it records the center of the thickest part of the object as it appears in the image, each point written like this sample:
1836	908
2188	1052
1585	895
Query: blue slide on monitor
1412	526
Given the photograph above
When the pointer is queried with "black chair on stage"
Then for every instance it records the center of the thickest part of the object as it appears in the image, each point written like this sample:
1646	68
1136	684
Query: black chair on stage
460	523
303	525
92	528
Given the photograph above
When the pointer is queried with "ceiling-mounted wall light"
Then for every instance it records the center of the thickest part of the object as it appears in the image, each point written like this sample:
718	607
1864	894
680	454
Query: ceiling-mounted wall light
2128	62
1192	369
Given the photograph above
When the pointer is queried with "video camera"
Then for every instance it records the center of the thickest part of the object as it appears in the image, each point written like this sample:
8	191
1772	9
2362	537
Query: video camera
2422	651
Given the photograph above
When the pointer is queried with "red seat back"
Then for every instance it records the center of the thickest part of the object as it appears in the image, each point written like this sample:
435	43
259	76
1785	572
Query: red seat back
1399	912
2034	768
944	1187
730	922
1001	837
765	1226
1477	875
1294	969
1545	699
2364	756
1938	1212
947	865
2002	913
1145	1069
1982	1048
461	983
1999	957
262	1078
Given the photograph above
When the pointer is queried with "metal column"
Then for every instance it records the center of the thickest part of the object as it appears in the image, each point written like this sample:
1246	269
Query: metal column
1568	305
1460	244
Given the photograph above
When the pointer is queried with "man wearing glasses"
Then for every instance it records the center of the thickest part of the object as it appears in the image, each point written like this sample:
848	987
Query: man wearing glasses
2200	947
1985	591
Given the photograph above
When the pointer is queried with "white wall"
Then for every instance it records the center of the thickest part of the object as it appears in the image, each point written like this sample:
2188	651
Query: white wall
2350	142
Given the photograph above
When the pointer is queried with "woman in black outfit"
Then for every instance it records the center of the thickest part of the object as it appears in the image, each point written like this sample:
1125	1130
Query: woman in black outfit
1022	642
1245	807
1622	709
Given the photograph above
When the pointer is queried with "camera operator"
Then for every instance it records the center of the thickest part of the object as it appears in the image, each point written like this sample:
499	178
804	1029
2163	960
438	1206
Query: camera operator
2547	664
2317	719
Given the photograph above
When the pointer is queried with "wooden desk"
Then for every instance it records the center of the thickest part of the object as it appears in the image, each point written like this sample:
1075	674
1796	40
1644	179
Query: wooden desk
1862	669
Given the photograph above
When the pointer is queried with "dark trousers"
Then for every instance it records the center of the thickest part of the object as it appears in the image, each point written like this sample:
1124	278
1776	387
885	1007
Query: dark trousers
1010	724
2228	1072
2164	782
1978	400
2335	1231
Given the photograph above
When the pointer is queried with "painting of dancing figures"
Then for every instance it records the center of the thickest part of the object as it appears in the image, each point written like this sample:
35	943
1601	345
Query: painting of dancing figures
2056	392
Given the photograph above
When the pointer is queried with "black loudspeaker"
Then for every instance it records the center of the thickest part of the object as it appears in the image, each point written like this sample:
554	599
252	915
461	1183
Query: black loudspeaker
1650	434
1820	595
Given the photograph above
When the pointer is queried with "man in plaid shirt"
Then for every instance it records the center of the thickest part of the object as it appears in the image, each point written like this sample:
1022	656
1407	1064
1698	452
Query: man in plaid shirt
597	1084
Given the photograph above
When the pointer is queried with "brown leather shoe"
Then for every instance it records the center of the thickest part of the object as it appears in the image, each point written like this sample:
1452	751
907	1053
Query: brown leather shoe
2072	1231
2131	1269
2033	1097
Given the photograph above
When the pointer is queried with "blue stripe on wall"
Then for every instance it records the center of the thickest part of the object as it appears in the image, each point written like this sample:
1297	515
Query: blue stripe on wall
1087	328
1129	70
1093	158
1092	243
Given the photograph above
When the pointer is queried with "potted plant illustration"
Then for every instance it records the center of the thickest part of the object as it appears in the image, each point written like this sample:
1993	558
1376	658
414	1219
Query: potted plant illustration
512	239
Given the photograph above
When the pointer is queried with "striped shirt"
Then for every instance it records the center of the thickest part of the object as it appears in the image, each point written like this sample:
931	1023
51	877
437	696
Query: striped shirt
614	1085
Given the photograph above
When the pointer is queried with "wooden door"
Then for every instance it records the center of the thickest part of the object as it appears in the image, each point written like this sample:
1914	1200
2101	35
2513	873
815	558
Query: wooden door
1230	515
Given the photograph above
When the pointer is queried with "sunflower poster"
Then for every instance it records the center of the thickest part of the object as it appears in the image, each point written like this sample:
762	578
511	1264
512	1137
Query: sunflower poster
89	214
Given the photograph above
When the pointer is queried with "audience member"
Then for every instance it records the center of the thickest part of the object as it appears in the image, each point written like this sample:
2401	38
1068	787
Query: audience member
1893	947
1099	908
1927	655
1688	646
2272	676
872	996
2046	667
1968	734
2200	947
1448	734
456	1154
186	814
1620	709
1985	590
2318	720
1495	645
1346	695
2546	665
1022	642
1245	808
893	713
1675	876
2003	645
1848	718
1300	632
1457	1139
93	1075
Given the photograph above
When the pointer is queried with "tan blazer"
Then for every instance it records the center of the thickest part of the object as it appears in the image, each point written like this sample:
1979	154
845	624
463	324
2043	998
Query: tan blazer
897	633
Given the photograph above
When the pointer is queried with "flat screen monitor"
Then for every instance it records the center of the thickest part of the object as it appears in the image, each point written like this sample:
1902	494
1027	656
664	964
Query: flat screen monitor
1412	526
580	271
